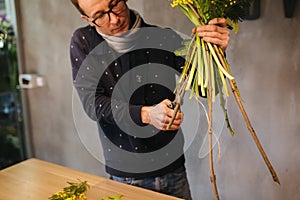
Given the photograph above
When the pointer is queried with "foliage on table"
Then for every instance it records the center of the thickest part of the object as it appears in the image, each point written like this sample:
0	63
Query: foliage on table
77	191
116	197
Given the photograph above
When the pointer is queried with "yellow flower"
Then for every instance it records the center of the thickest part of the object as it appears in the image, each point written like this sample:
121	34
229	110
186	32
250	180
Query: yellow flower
82	196
176	2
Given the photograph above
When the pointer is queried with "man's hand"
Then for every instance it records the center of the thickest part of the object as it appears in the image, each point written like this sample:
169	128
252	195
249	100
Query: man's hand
160	115
215	32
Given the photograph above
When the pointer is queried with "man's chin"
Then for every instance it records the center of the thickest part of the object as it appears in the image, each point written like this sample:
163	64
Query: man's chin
120	30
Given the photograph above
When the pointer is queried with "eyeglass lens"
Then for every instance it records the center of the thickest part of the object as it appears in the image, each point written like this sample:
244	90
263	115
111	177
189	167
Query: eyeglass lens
116	9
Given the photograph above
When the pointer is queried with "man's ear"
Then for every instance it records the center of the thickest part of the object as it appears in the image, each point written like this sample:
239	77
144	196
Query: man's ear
87	20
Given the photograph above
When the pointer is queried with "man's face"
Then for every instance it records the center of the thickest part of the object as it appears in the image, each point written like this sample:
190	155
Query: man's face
95	10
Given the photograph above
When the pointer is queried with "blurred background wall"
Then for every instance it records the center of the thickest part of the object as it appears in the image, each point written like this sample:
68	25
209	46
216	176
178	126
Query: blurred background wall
264	58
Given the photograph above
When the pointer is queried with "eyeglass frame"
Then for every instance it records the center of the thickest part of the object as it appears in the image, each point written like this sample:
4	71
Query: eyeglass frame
108	13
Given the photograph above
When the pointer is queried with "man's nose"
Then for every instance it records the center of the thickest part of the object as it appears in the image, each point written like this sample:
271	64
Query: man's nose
114	19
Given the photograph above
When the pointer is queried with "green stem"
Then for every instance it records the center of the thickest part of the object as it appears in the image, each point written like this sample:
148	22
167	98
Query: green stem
191	15
218	61
200	69
204	50
222	104
210	132
212	74
192	71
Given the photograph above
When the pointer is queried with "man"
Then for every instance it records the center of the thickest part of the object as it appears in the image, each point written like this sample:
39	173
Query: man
123	70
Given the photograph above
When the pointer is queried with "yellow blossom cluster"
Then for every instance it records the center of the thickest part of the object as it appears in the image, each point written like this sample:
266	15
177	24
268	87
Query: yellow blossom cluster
66	196
231	2
176	2
75	191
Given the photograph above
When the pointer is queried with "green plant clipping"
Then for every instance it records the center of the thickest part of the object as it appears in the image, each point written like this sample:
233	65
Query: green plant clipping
206	66
116	197
75	191
206	71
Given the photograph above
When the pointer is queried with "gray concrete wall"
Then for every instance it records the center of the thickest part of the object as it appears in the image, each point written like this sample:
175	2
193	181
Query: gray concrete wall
46	28
264	57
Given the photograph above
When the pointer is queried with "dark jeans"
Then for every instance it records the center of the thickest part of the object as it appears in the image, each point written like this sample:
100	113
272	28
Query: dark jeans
174	183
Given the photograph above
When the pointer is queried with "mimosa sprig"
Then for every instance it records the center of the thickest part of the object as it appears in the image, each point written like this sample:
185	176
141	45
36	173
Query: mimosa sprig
75	191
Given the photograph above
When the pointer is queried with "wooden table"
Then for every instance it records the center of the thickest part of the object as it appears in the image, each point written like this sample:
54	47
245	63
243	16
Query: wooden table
35	179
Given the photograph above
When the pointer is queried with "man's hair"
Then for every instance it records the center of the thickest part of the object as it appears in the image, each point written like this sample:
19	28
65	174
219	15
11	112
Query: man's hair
76	4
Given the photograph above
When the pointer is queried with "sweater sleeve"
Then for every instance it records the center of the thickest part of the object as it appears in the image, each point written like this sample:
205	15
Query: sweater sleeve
92	89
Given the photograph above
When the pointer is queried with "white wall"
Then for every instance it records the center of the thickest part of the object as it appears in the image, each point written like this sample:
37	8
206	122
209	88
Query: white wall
264	57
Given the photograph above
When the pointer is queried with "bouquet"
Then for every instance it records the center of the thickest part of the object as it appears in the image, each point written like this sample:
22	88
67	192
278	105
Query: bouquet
206	68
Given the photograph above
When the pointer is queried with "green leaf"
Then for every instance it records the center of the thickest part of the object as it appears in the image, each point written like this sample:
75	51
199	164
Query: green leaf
116	197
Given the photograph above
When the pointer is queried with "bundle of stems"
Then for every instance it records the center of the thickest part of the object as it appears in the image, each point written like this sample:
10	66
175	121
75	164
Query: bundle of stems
206	69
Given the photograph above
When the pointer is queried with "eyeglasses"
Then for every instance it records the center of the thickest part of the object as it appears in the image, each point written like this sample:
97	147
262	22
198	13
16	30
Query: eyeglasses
117	9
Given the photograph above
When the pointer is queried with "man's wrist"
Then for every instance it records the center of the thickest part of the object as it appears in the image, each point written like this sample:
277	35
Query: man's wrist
145	116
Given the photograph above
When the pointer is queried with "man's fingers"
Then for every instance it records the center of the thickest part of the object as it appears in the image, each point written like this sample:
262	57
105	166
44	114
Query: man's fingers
166	102
215	34
211	30
218	21
161	115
